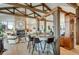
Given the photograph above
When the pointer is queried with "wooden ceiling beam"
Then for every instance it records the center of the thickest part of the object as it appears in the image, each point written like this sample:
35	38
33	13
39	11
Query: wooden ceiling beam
37	5
30	13
19	11
24	6
38	15
20	6
48	13
74	5
3	8
16	14
38	10
17	4
46	6
33	10
29	7
30	4
9	11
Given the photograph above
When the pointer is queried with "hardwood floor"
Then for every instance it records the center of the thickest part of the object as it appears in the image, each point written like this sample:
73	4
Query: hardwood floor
18	49
21	49
70	52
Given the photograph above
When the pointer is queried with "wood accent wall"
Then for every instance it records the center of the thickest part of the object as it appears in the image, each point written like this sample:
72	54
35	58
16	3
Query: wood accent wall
66	42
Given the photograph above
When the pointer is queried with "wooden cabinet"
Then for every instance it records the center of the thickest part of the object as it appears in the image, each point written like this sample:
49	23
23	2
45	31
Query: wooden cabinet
66	42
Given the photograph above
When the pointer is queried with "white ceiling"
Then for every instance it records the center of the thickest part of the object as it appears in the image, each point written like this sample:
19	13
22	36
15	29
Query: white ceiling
4	5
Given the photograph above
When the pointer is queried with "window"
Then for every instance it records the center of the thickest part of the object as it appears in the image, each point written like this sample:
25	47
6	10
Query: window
62	23
32	24
41	26
49	26
10	25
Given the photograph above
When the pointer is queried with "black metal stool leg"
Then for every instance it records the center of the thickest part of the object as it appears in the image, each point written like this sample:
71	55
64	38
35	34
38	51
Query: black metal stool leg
25	39
53	48
44	47
50	47
28	44
29	47
41	46
47	49
33	48
38	49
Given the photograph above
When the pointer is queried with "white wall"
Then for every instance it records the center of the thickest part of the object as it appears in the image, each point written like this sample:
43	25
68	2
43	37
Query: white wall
5	17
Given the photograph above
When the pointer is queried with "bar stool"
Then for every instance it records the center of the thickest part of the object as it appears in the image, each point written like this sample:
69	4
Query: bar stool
30	42
49	42
37	42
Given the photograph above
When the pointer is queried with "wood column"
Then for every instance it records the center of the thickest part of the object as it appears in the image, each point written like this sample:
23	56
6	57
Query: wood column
77	25
57	30
45	25
75	33
25	24
38	25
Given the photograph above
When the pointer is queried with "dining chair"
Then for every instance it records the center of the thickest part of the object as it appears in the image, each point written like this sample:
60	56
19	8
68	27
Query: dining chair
50	41
37	44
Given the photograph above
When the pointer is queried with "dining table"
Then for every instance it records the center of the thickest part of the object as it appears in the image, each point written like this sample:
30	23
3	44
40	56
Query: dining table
42	37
